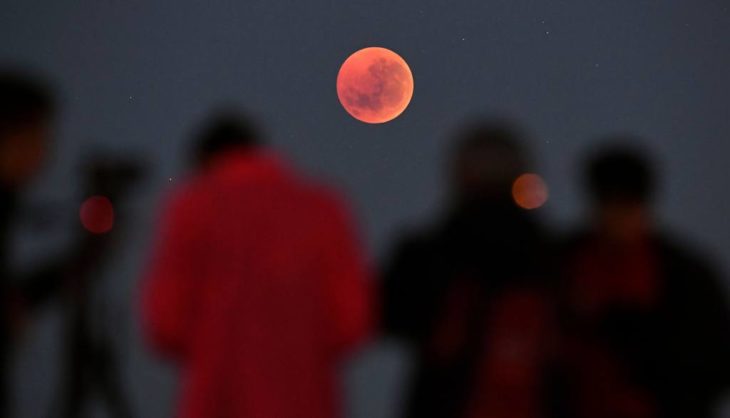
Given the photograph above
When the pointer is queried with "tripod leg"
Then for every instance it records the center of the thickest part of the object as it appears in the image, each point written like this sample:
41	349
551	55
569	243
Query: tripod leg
109	383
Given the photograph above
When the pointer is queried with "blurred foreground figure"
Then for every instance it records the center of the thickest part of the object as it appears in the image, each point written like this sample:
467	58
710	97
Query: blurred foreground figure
26	110
91	366
257	286
469	293
646	322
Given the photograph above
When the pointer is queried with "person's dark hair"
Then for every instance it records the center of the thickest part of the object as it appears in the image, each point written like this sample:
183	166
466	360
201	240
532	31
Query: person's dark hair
491	134
487	157
620	172
224	132
24	100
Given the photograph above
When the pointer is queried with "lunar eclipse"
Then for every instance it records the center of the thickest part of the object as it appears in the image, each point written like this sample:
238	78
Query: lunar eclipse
375	85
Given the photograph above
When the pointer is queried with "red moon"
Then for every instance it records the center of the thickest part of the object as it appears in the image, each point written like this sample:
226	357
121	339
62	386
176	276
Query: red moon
375	85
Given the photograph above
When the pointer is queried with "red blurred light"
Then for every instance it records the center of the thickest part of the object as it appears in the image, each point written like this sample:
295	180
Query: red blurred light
97	214
529	191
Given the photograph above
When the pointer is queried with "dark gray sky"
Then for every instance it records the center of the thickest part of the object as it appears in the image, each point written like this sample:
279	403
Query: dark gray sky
137	76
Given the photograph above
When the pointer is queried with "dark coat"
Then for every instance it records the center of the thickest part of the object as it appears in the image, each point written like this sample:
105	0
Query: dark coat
444	291
678	351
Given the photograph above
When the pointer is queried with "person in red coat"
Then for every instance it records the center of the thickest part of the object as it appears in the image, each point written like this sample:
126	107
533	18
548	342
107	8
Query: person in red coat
257	286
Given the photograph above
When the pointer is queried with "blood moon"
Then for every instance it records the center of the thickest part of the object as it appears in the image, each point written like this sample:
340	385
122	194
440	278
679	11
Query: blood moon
375	85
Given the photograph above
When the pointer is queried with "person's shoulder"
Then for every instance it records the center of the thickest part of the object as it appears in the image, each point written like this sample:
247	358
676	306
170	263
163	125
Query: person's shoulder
682	254
416	240
323	193
321	202
691	276
324	196
186	195
415	236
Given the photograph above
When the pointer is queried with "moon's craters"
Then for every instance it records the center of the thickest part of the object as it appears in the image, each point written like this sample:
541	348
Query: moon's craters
375	85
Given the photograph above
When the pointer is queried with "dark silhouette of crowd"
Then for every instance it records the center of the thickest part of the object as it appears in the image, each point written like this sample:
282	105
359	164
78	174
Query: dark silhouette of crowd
258	287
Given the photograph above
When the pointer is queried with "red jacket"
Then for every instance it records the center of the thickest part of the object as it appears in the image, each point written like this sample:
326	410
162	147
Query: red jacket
257	288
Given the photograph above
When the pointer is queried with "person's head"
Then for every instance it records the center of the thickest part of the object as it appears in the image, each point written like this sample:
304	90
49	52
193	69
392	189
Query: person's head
486	161
224	133
620	183
26	112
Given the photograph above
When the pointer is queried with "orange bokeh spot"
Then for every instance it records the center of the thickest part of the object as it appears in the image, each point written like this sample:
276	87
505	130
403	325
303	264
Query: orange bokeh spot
97	214
529	191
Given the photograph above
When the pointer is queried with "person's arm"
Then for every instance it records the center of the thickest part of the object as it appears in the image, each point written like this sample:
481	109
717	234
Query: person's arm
402	293
698	334
413	289
710	332
169	288
347	281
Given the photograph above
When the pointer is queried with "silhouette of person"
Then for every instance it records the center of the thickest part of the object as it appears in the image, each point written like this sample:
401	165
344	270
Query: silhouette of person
644	318
26	113
257	286
27	110
469	294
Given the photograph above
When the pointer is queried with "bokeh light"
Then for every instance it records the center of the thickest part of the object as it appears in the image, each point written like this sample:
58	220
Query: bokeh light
529	191
97	214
